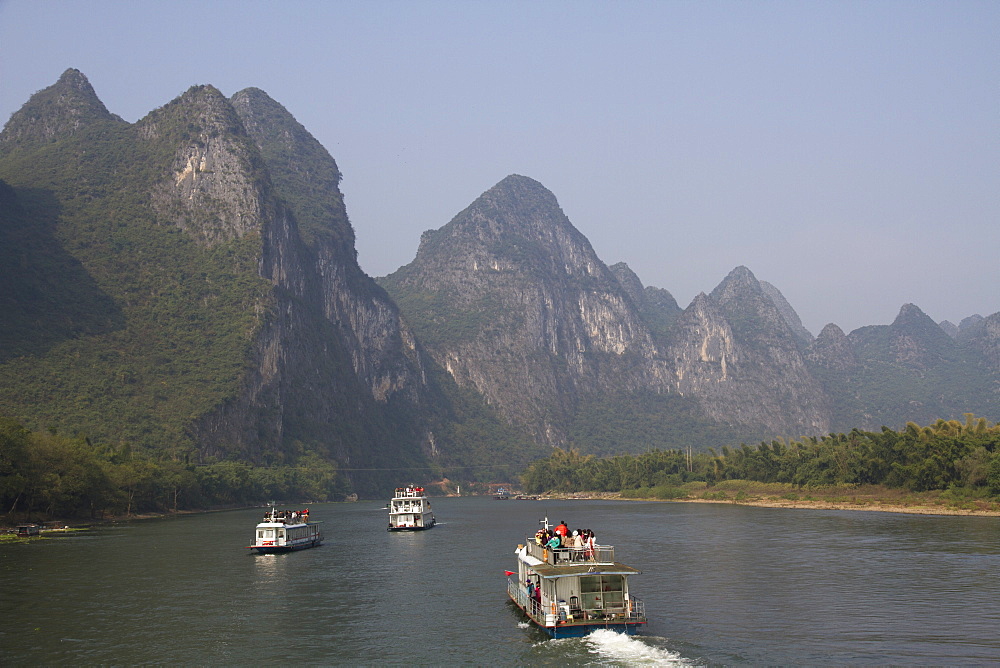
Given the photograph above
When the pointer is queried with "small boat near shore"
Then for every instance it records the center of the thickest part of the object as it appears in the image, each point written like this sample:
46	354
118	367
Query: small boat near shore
27	530
410	510
570	592
285	531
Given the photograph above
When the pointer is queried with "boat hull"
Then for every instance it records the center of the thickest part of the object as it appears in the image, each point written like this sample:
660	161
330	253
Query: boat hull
420	528
279	549
284	531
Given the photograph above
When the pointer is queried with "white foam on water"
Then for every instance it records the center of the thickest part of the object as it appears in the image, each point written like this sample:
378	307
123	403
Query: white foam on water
621	649
523	625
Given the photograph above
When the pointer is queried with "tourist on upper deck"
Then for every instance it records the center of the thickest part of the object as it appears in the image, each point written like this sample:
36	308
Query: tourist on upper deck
554	542
562	529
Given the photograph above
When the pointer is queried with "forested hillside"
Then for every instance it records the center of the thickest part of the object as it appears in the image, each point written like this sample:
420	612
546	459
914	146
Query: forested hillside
163	299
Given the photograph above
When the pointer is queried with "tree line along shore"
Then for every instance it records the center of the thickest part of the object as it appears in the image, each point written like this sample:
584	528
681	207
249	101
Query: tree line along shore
948	467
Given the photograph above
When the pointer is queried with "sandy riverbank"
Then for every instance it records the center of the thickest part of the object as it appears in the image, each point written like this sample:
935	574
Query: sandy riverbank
873	504
825	505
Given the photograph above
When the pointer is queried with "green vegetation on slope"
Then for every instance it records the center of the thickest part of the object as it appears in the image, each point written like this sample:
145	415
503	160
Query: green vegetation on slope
168	321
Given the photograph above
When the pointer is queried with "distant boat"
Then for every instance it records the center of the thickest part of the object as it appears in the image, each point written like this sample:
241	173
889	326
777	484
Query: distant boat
570	592
501	494
285	531
29	530
410	510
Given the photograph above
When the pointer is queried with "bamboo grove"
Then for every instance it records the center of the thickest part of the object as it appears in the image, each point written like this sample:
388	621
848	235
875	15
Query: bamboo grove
945	455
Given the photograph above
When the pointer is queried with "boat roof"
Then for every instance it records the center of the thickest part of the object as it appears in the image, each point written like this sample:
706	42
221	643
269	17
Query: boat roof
269	525
549	571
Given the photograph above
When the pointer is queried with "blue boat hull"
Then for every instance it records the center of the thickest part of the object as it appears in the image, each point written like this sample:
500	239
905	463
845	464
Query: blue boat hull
580	630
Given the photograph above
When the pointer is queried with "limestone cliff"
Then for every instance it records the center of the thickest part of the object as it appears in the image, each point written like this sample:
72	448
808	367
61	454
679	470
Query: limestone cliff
735	352
330	347
788	313
511	299
982	337
382	351
909	371
241	335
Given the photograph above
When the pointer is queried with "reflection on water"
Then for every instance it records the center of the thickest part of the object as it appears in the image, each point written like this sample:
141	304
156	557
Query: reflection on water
722	584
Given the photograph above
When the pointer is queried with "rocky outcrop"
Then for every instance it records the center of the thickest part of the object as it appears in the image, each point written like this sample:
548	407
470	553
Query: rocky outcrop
61	110
735	352
982	338
788	313
511	300
950	328
215	187
912	340
382	352
332	347
832	350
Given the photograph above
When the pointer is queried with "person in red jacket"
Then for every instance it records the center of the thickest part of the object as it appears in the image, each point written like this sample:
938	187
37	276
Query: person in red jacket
562	529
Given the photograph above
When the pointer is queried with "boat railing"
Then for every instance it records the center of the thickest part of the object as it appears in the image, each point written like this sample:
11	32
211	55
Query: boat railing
563	556
519	593
406	507
636	608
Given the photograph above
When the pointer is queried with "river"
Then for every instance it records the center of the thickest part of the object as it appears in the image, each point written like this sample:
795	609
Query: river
722	584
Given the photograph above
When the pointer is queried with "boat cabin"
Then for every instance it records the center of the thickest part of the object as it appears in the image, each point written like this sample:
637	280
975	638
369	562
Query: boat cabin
410	509
284	530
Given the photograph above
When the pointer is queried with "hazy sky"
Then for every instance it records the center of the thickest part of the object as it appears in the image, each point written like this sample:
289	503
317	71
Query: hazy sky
846	152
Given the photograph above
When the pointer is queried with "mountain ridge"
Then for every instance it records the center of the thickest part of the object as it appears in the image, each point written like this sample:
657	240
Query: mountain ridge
189	283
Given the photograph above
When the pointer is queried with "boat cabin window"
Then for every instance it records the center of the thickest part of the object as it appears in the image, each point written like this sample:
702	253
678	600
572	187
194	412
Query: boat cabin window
602	592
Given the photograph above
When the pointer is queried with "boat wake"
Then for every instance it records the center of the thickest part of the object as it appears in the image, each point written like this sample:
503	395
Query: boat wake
618	649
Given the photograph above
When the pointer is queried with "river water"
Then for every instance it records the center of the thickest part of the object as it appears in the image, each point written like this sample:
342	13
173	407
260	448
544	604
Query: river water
723	585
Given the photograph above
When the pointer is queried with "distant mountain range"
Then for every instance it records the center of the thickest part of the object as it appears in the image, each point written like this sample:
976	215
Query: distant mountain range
188	284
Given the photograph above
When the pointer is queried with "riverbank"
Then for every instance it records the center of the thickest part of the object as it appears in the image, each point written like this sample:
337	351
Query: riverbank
63	525
779	495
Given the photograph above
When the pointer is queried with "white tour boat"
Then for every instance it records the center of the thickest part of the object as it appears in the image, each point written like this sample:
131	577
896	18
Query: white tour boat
284	531
569	592
410	510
